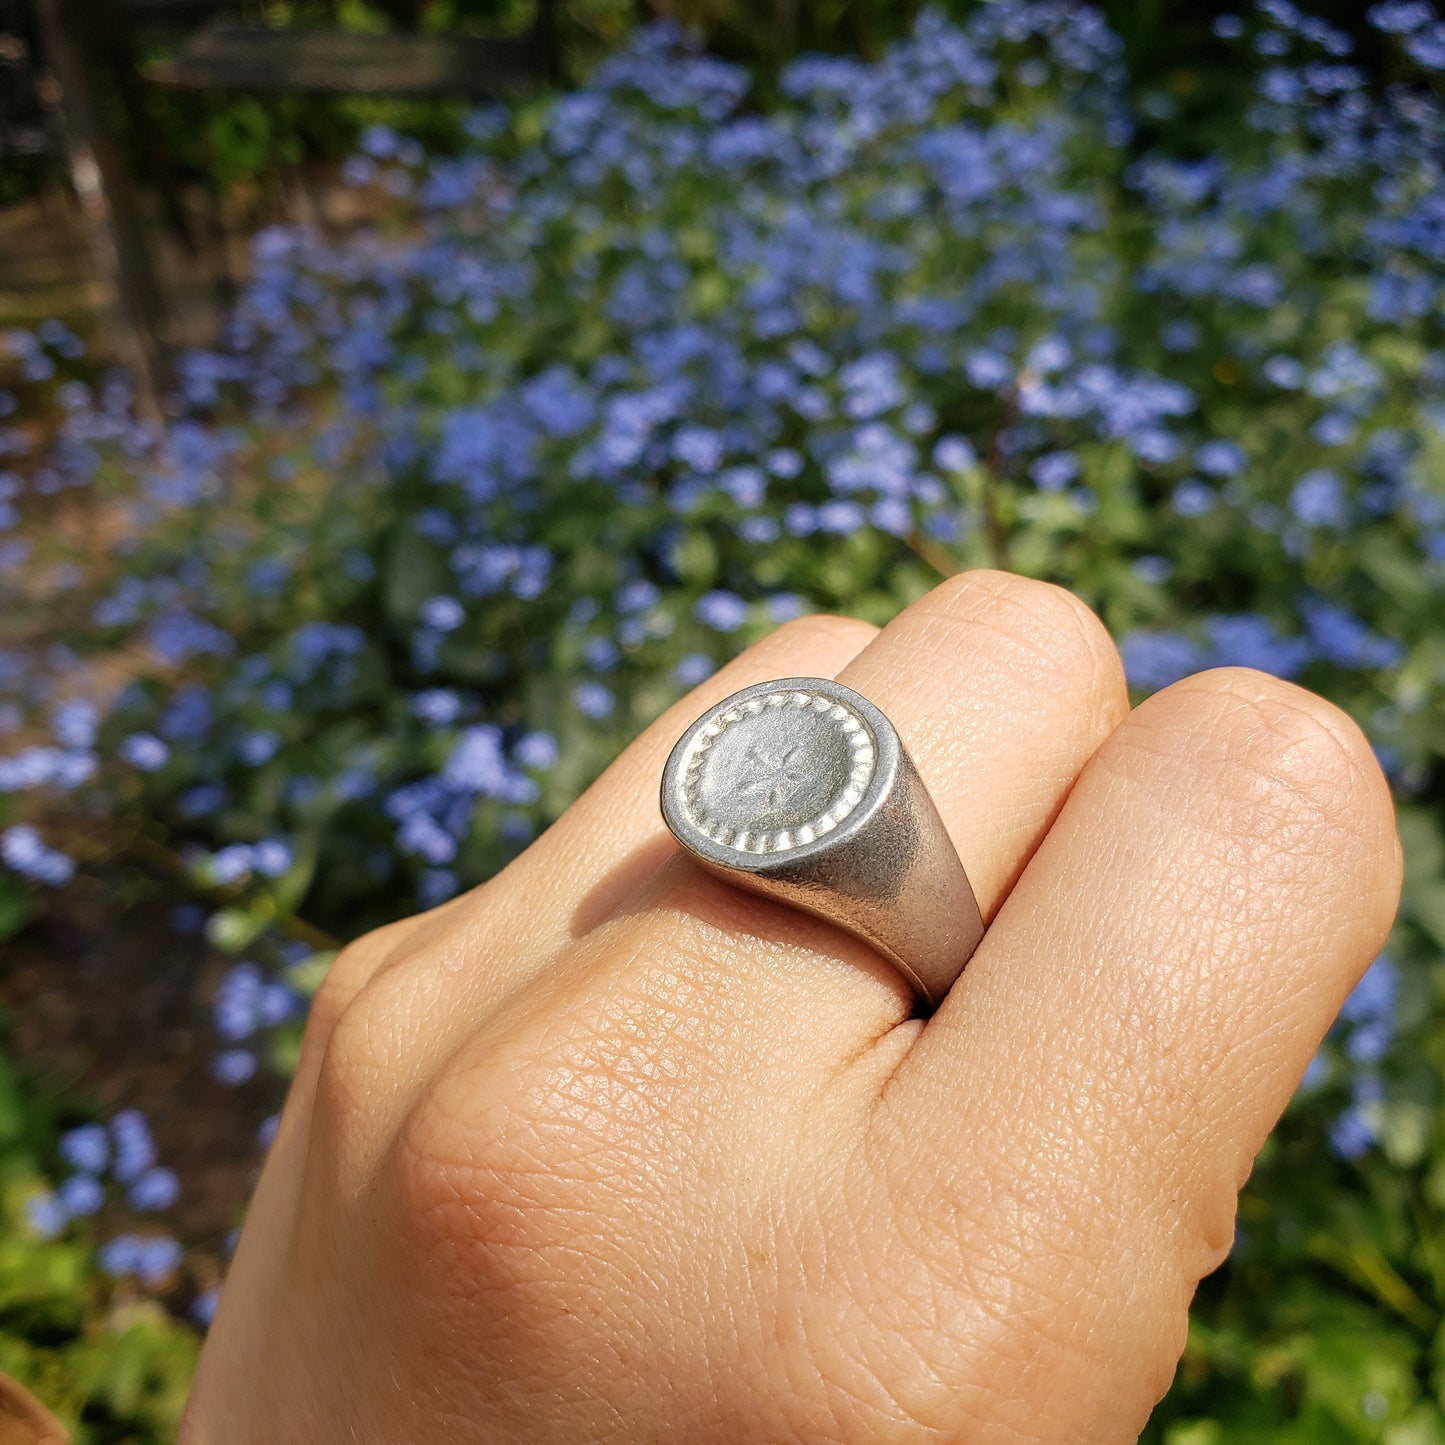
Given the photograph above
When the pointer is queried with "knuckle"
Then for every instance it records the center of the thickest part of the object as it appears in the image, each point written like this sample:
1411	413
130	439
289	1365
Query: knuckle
521	1151
1024	1296
1052	632
803	633
353	1058
362	1014
1283	748
347	976
499	1197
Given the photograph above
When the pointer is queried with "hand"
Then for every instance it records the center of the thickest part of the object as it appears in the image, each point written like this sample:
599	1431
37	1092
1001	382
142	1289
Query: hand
607	1150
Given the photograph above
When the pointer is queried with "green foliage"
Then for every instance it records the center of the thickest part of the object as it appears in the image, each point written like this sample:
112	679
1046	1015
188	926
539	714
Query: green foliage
112	1369
468	498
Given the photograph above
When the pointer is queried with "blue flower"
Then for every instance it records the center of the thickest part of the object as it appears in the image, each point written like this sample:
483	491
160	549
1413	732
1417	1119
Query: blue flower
1316	1072
135	1151
722	611
746	485
1427	48
178	637
120	1256
838	516
156	1258
1401	17
1352	1134
987	370
478	765
437	706
233	1067
871	386
1333	429
593	700
536	750
86	1148
434	886
23	851
1373	998
600	654
1342	638
258	746
560	404
442	614
277	1004
46	1214
1245	640
1155	659
1285	372
1054	471
892	515
1318	499
237	1005
231	864
1180	336
954	454
74	722
698	447
379	141
1368	1043
156	1189
784	462
696	667
80	1195
1192	498
1220	458
784	606
639	595
204	1306
145	752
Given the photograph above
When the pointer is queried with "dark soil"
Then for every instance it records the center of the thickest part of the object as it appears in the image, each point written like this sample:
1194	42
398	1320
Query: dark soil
110	1008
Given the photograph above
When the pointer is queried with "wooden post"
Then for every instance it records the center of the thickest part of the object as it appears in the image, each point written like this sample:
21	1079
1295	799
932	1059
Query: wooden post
113	45
547	35
103	185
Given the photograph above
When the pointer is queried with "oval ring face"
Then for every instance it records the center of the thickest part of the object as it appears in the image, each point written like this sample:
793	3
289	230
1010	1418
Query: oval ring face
777	771
801	790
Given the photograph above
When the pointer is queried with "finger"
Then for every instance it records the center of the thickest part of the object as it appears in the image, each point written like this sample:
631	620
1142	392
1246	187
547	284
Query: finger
1001	688
1129	1031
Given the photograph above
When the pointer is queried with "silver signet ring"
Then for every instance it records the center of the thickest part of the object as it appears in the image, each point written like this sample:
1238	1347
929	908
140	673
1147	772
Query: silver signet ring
801	790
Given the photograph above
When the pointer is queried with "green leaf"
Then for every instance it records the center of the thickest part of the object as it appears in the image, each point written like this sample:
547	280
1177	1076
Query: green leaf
14	906
415	571
237	928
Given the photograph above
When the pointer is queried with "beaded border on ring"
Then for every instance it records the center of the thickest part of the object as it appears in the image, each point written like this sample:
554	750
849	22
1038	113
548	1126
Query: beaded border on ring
747	840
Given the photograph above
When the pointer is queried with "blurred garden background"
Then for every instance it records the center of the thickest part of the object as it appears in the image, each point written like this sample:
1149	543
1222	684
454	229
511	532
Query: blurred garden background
401	401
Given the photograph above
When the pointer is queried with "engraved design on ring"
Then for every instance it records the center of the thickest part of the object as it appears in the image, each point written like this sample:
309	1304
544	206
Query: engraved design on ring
777	771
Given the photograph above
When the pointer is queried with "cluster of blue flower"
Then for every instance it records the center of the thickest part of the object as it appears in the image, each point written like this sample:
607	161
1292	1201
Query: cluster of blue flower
1368	1022
458	503
124	1155
247	1001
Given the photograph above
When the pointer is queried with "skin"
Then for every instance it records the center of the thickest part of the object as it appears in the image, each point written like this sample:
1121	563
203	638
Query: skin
608	1151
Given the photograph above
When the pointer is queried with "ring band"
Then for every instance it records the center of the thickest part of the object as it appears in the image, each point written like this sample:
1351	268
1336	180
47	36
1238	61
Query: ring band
801	790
